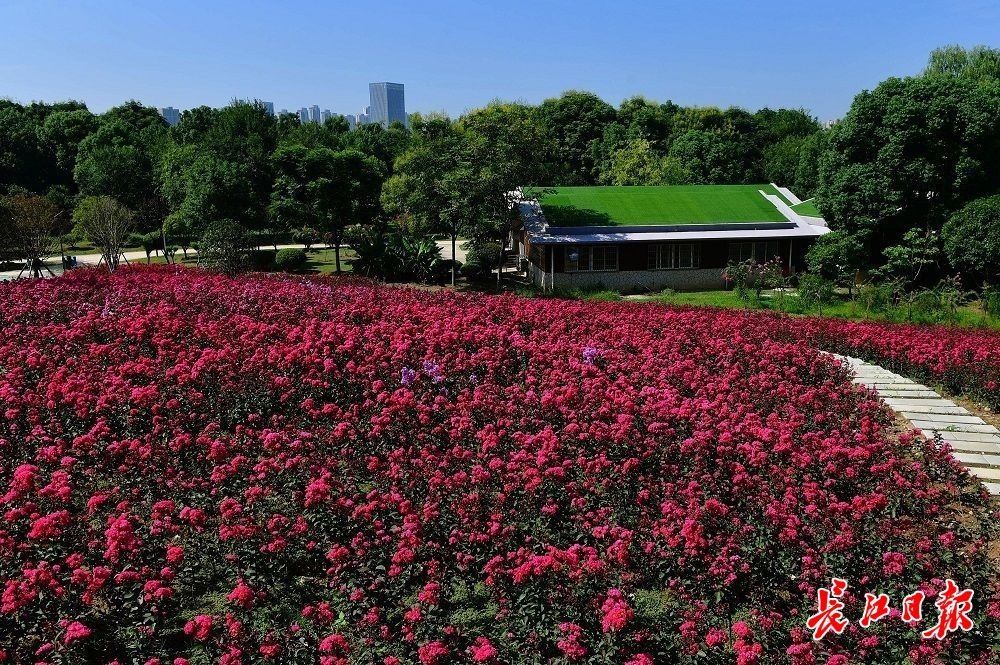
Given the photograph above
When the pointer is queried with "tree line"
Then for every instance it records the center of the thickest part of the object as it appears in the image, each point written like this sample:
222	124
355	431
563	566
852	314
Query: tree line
905	178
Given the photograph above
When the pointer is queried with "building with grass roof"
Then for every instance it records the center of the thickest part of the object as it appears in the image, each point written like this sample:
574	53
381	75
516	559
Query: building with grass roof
650	238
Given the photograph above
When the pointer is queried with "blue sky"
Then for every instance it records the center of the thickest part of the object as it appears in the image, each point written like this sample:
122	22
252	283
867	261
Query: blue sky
453	56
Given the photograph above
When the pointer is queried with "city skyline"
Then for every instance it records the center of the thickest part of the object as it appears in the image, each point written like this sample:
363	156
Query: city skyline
386	98
769	54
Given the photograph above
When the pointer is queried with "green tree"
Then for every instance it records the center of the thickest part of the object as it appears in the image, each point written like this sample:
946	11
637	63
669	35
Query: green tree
709	157
575	122
837	256
503	142
913	258
106	223
638	164
433	182
908	154
971	239
980	63
33	222
200	188
346	193
121	159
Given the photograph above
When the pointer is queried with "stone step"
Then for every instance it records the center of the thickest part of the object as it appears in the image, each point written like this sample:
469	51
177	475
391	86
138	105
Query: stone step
993	488
909	394
920	409
986	473
979	437
976	446
918	401
977	460
900	386
944	418
947	427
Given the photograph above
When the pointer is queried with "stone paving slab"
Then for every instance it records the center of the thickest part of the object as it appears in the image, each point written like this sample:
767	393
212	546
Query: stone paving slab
979	437
974	443
914	413
907	393
976	446
937	410
918	401
929	422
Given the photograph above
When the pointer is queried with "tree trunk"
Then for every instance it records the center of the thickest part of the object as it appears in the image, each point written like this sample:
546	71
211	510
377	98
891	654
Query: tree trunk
336	253
453	239
500	268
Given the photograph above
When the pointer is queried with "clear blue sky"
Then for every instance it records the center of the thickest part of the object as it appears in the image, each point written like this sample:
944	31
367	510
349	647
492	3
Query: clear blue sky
453	56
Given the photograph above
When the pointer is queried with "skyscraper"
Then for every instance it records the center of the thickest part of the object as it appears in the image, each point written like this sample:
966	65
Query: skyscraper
314	114
303	115
387	104
269	107
326	115
171	115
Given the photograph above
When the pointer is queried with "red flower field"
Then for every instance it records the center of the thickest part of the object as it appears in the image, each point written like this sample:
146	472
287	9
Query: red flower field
198	469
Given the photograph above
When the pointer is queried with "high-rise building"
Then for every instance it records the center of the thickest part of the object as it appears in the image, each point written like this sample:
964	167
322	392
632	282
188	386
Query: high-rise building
325	115
269	107
303	115
171	115
387	105
314	114
352	121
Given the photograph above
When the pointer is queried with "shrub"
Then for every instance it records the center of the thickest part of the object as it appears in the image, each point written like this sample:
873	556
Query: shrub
320	471
875	298
480	259
815	292
262	259
290	260
972	239
225	246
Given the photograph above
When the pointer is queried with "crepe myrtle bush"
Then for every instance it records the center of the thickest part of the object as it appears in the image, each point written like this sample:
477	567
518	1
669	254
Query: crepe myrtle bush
201	468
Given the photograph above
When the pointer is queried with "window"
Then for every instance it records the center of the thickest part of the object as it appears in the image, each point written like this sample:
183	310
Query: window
758	250
674	256
592	258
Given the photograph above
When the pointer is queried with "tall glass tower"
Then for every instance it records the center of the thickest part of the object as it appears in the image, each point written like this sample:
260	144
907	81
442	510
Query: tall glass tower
387	104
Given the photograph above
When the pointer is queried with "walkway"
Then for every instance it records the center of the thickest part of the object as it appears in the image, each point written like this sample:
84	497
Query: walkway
974	443
139	256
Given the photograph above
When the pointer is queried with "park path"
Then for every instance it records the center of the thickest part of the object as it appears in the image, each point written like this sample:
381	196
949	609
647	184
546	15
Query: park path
975	443
55	265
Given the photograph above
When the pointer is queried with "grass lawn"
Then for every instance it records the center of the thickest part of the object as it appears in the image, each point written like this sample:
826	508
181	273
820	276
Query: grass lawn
323	261
677	204
807	208
969	316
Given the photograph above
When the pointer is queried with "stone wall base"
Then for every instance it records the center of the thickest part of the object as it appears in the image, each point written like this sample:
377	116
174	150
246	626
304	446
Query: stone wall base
625	280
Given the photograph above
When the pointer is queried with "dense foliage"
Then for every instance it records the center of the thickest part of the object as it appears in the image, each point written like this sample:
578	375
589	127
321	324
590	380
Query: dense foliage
271	468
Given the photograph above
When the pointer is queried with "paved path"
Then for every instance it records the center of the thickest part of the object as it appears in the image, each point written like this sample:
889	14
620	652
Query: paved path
140	257
974	443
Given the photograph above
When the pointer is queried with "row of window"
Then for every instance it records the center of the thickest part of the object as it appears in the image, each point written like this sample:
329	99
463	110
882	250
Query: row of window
670	256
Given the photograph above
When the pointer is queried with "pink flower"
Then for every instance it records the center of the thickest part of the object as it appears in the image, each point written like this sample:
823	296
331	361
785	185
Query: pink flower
242	595
432	653
199	628
616	612
482	650
76	631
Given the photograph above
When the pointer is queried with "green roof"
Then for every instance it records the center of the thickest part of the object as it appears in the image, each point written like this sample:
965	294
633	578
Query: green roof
666	205
807	208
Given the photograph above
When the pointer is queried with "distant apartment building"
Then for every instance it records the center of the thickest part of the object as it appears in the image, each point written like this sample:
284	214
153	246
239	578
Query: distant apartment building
269	107
387	104
303	115
352	121
325	115
171	115
314	114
